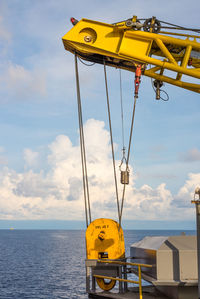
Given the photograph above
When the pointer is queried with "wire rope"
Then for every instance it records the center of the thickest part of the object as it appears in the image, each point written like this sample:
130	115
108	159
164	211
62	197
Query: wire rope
122	110
111	141
180	27
82	146
120	209
128	156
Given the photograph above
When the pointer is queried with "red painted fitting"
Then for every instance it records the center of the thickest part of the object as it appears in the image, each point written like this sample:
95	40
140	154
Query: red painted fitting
138	73
73	21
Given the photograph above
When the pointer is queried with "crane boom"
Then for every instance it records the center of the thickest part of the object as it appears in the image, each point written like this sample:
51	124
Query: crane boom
125	45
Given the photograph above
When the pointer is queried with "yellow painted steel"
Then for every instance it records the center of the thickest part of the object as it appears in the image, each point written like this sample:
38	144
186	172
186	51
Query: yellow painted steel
104	284
140	282
116	278
121	46
104	240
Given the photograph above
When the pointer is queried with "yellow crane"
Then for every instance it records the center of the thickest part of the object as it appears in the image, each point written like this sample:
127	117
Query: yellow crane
150	47
129	43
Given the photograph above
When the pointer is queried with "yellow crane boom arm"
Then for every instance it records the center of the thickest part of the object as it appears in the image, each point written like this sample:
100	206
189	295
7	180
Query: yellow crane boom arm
125	47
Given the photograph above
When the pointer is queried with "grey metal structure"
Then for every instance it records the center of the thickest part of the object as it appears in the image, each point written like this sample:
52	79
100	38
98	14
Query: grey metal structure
174	261
197	204
94	267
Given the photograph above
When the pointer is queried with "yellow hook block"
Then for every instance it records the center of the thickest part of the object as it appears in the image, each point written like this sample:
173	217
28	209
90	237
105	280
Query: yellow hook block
104	240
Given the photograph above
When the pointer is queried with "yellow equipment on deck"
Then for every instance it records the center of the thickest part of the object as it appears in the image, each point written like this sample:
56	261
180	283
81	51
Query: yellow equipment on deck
125	45
105	240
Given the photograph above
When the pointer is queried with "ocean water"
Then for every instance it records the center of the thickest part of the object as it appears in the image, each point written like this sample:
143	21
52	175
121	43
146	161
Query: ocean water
49	264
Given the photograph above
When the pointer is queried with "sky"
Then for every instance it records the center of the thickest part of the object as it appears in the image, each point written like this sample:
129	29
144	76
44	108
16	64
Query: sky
40	166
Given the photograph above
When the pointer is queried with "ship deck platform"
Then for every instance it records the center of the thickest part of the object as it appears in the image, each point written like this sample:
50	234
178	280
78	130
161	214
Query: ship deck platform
148	292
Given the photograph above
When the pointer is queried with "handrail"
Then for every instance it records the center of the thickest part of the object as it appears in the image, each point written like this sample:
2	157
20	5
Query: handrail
139	282
124	263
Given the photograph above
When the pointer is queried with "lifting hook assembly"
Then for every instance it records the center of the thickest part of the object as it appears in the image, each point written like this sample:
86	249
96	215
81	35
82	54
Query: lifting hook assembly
124	174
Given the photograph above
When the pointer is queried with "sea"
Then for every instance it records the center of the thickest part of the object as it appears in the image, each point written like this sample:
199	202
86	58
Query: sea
49	264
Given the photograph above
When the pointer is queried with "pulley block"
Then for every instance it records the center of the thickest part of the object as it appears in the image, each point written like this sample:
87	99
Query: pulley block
125	177
152	24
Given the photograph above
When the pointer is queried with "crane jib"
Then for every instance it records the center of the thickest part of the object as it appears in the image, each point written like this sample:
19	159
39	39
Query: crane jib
124	46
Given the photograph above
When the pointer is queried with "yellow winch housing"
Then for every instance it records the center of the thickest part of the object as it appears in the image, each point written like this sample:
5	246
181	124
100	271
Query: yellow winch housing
104	240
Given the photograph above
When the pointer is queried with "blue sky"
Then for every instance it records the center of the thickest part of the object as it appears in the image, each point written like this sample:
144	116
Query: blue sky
40	174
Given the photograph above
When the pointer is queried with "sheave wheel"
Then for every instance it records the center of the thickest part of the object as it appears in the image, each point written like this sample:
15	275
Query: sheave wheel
106	285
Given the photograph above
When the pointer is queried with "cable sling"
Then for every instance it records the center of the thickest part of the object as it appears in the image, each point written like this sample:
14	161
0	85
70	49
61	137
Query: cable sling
82	146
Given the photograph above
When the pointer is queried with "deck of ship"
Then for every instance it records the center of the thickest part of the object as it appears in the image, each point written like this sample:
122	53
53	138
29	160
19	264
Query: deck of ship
148	292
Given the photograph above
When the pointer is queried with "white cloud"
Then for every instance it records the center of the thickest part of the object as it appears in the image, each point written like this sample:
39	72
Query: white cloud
31	158
186	193
58	193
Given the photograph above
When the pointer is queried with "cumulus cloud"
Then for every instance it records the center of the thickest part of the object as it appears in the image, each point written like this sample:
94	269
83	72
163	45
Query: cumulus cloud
186	192
192	155
58	193
31	158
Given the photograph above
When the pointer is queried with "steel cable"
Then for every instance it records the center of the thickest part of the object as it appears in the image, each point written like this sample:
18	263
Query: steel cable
111	140
122	112
120	211
82	146
128	156
83	154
